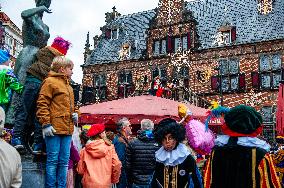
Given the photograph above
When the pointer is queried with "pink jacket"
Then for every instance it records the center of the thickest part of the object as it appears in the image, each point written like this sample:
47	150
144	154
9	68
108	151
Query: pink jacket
99	165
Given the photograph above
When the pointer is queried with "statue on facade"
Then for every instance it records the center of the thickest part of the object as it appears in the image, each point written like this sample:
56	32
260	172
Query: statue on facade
35	35
125	52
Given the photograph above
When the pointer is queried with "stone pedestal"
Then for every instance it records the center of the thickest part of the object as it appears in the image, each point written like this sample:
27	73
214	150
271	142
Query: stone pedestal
33	171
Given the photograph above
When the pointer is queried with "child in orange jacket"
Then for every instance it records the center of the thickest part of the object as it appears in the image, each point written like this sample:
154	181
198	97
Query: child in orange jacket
99	163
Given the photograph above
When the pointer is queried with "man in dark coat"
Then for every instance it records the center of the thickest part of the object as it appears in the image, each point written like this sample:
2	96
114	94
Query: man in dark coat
140	156
120	141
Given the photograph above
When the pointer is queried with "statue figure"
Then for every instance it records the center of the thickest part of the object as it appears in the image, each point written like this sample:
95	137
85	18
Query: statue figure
35	36
124	53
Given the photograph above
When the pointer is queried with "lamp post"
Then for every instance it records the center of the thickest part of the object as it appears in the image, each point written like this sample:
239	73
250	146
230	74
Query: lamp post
220	83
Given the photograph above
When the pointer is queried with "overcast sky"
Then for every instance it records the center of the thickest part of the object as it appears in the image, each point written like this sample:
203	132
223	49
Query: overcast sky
72	19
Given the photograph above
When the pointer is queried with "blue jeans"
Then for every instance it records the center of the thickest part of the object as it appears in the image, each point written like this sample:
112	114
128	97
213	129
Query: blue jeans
25	112
58	152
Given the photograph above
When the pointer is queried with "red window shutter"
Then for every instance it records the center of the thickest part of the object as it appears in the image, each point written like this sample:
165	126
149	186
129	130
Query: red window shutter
120	91
108	33
242	81
169	44
233	34
255	80
189	40
214	82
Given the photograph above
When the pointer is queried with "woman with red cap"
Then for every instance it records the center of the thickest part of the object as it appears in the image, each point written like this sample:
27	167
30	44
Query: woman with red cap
99	164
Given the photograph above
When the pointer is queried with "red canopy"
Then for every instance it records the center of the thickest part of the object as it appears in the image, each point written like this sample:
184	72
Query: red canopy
136	108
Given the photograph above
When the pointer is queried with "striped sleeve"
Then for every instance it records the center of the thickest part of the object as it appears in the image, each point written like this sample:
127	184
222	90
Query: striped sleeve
208	171
268	176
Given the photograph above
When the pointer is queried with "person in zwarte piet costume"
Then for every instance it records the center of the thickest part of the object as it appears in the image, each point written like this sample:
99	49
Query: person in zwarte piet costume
240	159
175	167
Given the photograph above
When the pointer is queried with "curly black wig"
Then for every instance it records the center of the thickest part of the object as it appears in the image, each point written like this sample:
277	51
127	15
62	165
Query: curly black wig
169	126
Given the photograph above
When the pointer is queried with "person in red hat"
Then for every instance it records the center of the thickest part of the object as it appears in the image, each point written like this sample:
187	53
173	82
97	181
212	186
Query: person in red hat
36	73
99	164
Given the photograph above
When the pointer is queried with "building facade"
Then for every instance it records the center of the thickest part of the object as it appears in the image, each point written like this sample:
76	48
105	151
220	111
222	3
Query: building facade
197	51
10	37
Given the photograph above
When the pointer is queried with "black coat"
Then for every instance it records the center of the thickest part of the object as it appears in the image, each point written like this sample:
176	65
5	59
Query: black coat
185	174
140	159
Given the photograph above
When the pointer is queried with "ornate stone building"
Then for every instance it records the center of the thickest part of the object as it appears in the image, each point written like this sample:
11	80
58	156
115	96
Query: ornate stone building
10	37
193	48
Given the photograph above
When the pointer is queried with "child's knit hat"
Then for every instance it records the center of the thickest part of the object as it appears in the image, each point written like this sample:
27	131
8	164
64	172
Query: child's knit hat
4	56
61	45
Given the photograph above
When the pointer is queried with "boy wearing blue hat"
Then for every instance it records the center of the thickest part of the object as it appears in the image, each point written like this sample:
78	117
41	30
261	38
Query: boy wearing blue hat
8	80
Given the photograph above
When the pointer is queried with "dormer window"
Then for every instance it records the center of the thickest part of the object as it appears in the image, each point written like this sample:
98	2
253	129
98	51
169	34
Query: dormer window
114	34
226	35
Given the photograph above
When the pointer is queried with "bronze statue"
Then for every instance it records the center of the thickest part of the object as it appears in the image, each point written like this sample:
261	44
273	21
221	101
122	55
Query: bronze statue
35	36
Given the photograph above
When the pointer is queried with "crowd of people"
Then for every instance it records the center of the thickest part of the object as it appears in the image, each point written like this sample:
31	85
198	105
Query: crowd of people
159	156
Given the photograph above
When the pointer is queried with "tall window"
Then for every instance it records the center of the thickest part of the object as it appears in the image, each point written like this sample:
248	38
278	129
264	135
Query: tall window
114	33
156	47
184	43
178	43
100	86
232	79
270	70
229	70
164	47
125	84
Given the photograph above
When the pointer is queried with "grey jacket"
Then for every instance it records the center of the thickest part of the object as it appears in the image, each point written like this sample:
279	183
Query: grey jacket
10	166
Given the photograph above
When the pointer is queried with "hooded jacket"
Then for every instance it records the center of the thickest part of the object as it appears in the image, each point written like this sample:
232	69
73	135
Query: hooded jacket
55	104
99	165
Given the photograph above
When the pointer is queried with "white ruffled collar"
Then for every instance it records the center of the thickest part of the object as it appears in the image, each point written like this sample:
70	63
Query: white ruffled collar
222	140
174	157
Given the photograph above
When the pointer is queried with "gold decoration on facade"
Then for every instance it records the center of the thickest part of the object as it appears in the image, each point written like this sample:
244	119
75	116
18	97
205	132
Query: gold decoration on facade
124	53
265	6
203	76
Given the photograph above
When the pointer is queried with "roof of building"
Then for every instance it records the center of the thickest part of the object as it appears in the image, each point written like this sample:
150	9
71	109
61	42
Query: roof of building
251	26
132	30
